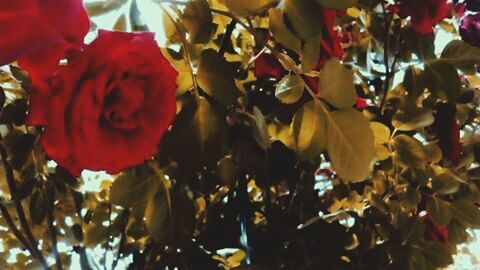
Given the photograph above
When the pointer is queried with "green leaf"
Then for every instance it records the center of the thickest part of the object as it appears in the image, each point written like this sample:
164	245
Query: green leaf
411	117
337	4
466	212
381	132
411	198
336	84
409	152
462	55
121	24
133	186
280	31
260	131
445	184
304	18
439	211
411	228
309	130
197	19
169	216
246	8
310	53
414	82
289	89
198	137
443	80
437	254
457	233
350	144
216	77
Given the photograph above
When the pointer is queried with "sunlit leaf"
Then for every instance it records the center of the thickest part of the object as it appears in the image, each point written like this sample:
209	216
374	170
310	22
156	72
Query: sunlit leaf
280	31
336	84
289	89
249	7
409	152
350	143
309	130
337	4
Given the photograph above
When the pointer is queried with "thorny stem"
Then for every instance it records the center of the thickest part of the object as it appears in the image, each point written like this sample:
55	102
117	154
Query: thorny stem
53	236
388	70
226	37
12	186
123	238
13	227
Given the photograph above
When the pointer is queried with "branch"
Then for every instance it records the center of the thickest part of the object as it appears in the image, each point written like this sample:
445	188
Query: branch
388	70
13	227
53	236
226	37
123	238
12	186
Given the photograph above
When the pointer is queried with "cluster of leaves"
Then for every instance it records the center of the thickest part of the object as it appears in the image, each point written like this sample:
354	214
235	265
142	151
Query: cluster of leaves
265	173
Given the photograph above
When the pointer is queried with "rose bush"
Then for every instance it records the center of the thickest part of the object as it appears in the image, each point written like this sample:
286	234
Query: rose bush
43	30
109	106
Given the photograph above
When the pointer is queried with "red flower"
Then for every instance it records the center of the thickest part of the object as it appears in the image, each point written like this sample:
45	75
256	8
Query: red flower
448	131
38	31
433	232
424	14
108	108
470	29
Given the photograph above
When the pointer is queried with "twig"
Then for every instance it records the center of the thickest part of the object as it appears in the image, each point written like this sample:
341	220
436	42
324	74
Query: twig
388	70
18	205
13	227
226	37
53	236
123	238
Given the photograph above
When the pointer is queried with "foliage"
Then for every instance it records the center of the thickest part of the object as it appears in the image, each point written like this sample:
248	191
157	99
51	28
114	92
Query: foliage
240	179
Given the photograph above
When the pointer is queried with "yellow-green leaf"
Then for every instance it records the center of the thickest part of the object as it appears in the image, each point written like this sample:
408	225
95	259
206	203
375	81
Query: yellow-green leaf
289	89
336	84
280	31
249	7
409	152
381	132
309	130
350	144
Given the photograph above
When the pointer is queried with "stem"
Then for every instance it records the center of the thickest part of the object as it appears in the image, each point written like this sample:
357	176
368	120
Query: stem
18	205
14	228
123	238
226	37
388	70
53	236
109	236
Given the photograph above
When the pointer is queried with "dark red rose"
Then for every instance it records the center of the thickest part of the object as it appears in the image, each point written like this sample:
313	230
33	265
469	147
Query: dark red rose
448	131
473	5
424	14
108	108
433	232
470	29
37	32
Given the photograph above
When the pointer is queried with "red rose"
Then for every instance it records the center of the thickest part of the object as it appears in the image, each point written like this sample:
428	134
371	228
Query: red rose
108	108
38	31
424	14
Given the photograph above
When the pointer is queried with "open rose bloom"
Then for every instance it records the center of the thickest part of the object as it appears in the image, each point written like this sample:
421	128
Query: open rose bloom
240	134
